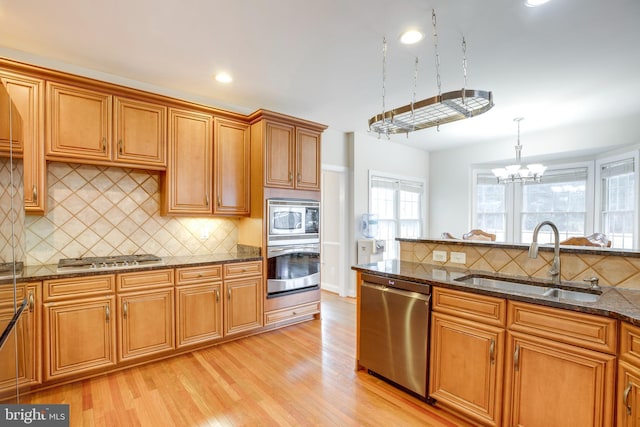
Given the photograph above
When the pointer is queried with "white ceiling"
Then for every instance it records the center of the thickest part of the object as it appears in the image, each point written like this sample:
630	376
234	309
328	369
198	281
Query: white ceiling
561	64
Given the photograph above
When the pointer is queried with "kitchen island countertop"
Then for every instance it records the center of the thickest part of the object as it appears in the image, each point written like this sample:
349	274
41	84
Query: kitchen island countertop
615	302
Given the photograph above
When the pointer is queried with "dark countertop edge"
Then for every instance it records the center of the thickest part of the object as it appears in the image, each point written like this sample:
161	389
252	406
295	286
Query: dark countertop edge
49	271
626	310
592	250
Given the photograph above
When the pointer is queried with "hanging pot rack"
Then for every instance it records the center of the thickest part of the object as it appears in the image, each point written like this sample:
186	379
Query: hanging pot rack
440	109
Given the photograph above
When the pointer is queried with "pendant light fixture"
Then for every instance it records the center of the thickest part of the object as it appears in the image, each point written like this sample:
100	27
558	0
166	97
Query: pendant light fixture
435	111
517	173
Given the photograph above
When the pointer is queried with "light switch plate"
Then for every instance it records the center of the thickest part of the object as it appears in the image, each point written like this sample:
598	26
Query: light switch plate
459	257
440	256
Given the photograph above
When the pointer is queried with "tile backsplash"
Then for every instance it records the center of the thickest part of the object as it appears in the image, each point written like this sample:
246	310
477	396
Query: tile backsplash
612	269
100	211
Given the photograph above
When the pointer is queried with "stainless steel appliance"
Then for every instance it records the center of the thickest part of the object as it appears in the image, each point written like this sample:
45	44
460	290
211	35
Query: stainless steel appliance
71	265
293	221
293	246
394	331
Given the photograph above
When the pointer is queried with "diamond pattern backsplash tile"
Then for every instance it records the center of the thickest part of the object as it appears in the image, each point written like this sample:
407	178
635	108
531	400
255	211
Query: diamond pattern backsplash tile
12	217
100	211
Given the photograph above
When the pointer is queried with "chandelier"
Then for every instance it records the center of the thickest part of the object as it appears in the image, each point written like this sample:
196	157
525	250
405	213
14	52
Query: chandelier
435	111
517	173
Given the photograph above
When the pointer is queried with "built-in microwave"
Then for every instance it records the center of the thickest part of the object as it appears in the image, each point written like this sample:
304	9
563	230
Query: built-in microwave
293	221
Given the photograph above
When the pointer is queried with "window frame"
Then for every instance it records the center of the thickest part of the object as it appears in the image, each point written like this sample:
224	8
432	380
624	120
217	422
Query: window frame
635	155
394	250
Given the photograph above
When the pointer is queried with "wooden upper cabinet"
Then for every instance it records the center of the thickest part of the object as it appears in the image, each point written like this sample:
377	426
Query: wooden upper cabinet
232	145
279	145
79	123
292	157
11	134
140	132
90	126
307	159
27	95
187	184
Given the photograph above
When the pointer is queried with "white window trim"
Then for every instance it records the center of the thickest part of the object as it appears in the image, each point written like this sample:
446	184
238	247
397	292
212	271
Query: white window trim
387	175
598	188
508	202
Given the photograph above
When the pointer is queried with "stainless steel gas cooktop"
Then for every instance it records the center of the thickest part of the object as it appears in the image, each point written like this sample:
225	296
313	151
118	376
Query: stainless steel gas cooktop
108	263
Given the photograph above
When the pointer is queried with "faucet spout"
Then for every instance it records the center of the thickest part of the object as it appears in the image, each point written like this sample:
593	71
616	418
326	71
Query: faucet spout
554	271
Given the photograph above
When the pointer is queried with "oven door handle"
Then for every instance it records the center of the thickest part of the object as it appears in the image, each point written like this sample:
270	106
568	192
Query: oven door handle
312	249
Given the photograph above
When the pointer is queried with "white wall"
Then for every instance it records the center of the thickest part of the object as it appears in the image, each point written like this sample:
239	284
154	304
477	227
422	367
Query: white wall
449	170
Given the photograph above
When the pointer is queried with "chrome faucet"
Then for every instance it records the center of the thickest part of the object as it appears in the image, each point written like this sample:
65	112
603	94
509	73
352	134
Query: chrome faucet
554	272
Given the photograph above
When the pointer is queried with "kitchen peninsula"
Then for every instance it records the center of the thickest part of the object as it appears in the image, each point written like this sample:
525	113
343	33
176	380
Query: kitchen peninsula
512	357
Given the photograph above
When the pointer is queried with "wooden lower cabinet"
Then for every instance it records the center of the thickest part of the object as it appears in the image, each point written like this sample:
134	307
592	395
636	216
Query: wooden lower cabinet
550	383
628	395
467	367
79	336
198	313
20	357
243	305
146	323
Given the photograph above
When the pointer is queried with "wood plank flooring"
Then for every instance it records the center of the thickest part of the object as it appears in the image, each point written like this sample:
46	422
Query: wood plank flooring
301	375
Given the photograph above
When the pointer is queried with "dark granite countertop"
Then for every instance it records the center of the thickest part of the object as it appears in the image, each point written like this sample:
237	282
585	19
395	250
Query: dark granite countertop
616	303
50	271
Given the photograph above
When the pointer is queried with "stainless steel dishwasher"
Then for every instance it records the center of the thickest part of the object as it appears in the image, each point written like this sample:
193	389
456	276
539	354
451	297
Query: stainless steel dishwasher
394	331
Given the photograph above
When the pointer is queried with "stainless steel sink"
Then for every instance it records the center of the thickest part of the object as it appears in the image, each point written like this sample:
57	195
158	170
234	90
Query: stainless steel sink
571	295
532	288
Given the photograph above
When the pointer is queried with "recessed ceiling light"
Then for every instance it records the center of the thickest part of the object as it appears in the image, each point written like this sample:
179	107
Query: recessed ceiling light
534	3
411	36
224	77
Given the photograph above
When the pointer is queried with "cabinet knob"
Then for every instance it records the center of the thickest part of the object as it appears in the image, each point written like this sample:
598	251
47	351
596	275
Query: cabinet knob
625	398
120	146
290	176
35	193
125	310
31	302
108	314
104	144
206	199
492	351
516	358
217	295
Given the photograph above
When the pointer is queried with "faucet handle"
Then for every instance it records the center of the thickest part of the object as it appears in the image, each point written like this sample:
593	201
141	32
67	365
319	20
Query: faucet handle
593	281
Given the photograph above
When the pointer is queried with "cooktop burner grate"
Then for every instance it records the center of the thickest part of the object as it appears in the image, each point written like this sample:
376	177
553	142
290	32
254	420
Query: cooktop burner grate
109	262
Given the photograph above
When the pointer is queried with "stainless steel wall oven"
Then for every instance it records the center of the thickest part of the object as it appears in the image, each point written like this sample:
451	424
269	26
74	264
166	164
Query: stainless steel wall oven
293	246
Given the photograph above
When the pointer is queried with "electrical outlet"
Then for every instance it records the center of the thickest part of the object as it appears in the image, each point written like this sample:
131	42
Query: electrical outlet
440	256
459	257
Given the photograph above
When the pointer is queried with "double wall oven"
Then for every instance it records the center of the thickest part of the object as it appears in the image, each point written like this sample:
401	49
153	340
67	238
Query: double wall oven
293	246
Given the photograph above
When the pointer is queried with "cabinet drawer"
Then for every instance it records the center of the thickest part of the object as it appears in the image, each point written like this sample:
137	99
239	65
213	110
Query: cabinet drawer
581	329
145	280
291	313
630	342
78	287
189	275
242	269
480	308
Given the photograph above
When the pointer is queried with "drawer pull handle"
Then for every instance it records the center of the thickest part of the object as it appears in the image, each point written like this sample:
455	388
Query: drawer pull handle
492	351
294	313
625	398
229	294
516	358
31	302
108	314
125	310
217	295
35	194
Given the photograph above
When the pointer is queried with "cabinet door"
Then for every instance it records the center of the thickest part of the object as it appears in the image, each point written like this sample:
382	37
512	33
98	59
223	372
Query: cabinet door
27	95
279	155
628	396
232	145
11	132
243	309
307	159
140	133
199	313
79	123
79	336
22	348
188	181
146	323
553	384
467	361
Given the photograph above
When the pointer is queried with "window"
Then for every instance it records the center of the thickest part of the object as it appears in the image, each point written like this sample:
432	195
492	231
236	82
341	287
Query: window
618	201
512	211
398	203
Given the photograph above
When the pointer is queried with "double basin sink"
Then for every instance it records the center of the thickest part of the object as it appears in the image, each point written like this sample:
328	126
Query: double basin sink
532	288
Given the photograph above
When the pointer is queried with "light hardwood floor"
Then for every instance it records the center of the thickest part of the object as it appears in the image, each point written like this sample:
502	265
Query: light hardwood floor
301	375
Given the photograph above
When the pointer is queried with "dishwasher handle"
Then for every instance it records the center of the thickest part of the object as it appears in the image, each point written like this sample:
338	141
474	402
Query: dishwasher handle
388	282
402	292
